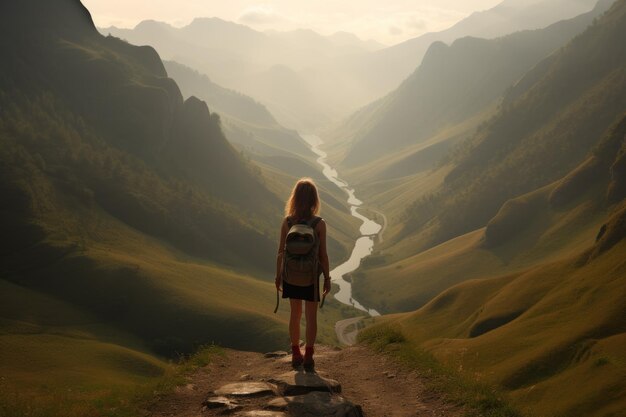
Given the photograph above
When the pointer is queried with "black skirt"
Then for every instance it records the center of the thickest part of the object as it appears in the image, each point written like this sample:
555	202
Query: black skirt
301	293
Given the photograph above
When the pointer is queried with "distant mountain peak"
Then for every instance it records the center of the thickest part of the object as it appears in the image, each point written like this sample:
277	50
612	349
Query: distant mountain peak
348	38
197	108
218	22
210	20
150	23
344	34
434	51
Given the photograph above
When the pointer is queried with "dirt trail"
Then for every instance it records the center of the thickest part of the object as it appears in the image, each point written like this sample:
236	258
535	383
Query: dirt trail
347	330
379	385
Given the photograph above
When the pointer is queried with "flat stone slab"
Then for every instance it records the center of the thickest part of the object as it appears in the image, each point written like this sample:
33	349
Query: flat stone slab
222	402
316	404
276	354
299	383
245	389
262	413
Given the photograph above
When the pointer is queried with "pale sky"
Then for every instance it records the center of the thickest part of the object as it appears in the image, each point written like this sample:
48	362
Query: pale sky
387	21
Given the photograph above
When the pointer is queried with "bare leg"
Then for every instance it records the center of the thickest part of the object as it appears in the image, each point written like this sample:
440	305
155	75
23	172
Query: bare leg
294	321
310	311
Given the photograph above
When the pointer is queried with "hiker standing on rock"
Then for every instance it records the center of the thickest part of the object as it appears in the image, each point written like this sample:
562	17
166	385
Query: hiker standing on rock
302	257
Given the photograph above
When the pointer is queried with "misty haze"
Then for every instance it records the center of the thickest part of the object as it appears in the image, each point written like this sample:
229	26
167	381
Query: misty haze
324	208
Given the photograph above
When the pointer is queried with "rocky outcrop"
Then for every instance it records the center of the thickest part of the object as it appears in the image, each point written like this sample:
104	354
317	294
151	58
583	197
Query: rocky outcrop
297	393
316	404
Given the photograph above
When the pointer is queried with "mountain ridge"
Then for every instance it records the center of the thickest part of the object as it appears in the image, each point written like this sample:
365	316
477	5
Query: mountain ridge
123	201
454	83
530	328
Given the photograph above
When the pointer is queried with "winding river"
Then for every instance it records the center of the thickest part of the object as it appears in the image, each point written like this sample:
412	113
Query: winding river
364	244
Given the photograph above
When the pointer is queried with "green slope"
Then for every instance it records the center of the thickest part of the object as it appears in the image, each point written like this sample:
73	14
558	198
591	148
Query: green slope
552	337
533	303
545	128
527	145
546	224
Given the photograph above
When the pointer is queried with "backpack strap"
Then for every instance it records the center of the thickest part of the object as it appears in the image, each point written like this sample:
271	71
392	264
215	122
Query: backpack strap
313	223
289	222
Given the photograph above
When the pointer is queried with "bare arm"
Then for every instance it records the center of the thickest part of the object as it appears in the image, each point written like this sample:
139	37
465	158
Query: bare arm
281	253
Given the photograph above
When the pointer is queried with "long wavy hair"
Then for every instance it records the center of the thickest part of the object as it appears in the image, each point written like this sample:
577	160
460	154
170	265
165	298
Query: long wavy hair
304	201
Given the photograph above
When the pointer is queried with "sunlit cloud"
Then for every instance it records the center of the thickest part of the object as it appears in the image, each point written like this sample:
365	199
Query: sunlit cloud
395	31
262	15
388	22
416	23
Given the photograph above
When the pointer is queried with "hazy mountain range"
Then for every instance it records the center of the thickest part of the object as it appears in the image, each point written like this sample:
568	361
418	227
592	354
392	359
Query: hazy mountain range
269	66
454	83
399	61
307	80
247	122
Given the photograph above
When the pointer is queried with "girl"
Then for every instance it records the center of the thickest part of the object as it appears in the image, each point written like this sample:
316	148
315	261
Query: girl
303	205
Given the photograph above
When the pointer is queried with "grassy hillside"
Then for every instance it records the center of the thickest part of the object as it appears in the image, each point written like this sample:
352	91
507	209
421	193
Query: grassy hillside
547	125
548	223
533	303
552	337
512	269
431	200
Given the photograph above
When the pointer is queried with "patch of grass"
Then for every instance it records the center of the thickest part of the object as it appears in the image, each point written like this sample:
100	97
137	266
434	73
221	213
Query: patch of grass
563	355
382	337
201	358
123	400
601	361
478	399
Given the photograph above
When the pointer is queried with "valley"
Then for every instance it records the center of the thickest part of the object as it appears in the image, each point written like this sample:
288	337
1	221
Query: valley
473	181
363	246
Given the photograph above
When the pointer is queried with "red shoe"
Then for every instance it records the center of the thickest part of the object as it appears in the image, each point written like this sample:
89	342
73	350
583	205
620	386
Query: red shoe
296	356
309	363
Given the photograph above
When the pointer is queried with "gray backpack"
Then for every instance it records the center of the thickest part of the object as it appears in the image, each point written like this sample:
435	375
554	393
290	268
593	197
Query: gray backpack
301	266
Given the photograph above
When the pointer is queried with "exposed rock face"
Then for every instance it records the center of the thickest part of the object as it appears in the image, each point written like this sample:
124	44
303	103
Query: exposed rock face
245	389
316	403
295	393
